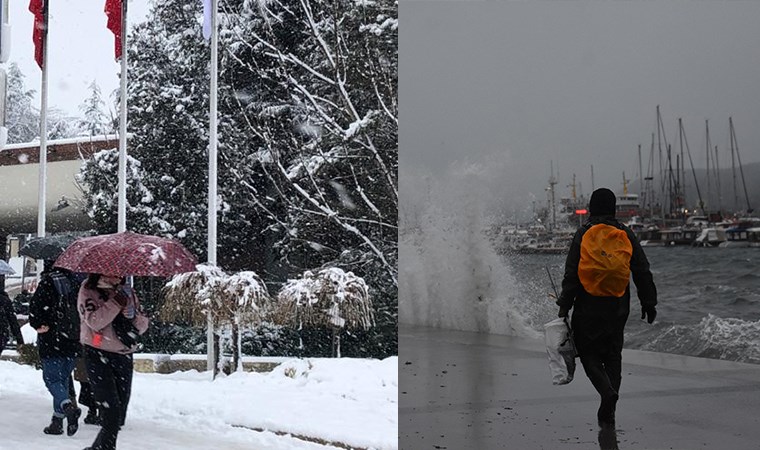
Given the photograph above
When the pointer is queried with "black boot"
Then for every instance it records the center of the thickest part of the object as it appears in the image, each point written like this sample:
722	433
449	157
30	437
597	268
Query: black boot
55	427
72	418
92	417
606	413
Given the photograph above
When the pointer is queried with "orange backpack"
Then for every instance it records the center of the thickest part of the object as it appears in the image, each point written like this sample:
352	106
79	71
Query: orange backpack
605	266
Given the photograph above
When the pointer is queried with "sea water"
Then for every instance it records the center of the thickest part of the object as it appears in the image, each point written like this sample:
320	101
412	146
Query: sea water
708	300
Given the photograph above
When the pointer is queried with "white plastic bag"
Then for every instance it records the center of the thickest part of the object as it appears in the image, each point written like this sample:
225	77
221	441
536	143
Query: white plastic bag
561	350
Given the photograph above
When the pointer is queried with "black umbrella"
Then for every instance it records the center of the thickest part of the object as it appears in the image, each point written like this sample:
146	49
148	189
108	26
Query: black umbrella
48	247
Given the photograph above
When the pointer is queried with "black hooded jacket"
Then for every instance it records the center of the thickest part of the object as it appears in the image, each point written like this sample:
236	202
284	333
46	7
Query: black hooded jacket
43	310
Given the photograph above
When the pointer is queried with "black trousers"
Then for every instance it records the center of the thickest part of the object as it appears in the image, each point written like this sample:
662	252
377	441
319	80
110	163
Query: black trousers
110	377
600	346
604	371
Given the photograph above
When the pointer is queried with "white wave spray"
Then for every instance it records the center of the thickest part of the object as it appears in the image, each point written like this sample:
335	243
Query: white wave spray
450	275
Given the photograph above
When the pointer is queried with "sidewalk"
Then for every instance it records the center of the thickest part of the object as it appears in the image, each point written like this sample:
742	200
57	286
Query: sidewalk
461	390
25	416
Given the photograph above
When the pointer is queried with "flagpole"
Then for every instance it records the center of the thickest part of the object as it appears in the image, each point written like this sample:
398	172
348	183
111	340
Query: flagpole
212	175
41	212
122	211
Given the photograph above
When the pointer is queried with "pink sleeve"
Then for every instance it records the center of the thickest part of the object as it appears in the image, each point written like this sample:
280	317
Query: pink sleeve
141	322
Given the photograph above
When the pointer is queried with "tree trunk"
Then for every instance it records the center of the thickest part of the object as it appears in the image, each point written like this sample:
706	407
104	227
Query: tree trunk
237	363
217	357
336	342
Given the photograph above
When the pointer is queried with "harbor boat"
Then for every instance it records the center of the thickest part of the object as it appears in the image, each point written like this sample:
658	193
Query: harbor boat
753	236
737	231
679	236
736	237
711	237
552	247
627	206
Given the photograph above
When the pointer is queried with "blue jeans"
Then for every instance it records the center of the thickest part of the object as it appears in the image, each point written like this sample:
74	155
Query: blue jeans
56	372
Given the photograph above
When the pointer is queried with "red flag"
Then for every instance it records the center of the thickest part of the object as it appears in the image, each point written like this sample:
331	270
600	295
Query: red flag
37	7
113	11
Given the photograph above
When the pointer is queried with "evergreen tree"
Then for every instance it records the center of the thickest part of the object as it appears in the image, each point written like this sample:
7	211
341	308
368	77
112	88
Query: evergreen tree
100	175
95	122
22	121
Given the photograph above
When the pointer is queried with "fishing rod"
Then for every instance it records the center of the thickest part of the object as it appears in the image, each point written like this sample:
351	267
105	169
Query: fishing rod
556	294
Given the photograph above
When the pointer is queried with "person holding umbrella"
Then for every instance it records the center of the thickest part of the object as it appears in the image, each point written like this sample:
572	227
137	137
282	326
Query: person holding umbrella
111	315
111	320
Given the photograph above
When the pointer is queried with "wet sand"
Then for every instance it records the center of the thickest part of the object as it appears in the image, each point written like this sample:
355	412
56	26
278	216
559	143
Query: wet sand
461	390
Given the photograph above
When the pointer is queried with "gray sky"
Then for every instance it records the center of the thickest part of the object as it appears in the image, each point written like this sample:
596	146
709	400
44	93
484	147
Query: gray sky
509	86
80	49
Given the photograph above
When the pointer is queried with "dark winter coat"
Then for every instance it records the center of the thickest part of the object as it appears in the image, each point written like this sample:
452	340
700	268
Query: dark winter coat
8	322
43	310
599	321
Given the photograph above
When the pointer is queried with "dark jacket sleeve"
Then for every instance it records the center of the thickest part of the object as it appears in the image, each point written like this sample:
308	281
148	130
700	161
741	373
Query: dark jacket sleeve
571	284
642	276
7	310
40	305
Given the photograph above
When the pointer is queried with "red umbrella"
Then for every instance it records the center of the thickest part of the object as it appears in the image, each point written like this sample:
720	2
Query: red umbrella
127	253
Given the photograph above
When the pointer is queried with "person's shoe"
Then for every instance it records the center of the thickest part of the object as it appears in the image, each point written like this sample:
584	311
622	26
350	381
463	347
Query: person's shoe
92	417
606	413
55	427
72	418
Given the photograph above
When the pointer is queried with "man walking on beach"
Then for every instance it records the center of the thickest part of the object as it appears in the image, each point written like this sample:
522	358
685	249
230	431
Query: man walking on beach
602	256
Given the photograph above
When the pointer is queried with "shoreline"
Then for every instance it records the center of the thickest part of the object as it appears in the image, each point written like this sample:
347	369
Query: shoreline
469	390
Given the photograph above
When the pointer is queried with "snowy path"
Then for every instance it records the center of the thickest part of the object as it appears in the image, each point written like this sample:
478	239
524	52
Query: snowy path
320	404
24	417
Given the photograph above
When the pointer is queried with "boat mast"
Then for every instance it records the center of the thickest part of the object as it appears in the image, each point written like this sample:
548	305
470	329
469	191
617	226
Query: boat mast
552	183
708	145
691	162
659	151
662	138
650	178
717	176
739	158
682	177
573	186
733	164
671	188
641	180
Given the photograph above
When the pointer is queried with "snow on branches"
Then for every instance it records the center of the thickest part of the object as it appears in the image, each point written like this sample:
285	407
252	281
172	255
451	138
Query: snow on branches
331	297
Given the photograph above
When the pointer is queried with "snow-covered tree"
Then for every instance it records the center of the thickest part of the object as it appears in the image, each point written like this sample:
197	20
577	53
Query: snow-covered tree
317	91
168	111
330	298
22	121
99	176
23	118
234	301
95	121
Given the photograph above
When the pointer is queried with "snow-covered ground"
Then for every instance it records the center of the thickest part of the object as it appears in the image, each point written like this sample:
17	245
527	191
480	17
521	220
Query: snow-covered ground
302	404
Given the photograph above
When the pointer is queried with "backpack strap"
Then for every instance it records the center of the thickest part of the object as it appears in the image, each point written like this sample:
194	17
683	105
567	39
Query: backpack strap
61	283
